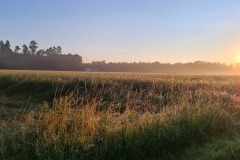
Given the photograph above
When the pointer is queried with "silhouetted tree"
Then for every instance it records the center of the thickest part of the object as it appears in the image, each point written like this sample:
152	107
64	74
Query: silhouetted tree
54	51
33	47
2	47
17	49
49	51
25	50
59	50
7	47
40	52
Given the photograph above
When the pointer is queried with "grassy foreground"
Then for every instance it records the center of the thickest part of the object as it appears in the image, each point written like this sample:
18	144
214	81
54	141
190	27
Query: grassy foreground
118	116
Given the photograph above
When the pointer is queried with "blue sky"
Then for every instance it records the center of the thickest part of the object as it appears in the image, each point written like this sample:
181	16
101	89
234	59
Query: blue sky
127	30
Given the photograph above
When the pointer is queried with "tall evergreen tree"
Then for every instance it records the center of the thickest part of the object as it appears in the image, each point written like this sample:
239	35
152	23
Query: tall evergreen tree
33	47
7	47
25	50
40	52
59	50
17	49
2	47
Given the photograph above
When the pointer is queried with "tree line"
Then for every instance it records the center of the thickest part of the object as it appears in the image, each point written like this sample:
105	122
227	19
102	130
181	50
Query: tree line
29	57
197	67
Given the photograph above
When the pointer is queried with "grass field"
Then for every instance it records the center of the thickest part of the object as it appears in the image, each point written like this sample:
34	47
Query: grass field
77	115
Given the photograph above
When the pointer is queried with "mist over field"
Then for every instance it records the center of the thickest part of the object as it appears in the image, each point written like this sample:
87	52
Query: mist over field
32	58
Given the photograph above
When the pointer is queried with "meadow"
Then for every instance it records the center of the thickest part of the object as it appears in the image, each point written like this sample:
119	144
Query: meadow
80	115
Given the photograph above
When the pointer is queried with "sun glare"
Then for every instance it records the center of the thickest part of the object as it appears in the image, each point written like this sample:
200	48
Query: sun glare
237	58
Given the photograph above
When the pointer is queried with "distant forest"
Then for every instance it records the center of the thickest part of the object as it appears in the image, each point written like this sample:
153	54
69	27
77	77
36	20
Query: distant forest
31	58
196	67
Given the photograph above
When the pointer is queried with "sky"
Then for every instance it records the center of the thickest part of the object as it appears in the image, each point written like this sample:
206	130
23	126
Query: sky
168	31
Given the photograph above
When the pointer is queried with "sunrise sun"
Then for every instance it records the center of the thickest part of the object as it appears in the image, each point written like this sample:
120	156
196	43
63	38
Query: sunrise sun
237	58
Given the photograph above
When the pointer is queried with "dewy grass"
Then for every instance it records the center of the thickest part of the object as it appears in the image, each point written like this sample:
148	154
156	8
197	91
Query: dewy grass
219	149
113	115
68	130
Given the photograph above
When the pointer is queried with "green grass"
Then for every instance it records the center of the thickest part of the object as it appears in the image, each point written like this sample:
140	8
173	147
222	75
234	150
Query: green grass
118	116
219	149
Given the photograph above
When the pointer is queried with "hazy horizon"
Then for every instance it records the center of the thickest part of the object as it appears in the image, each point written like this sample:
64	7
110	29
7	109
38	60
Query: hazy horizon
117	31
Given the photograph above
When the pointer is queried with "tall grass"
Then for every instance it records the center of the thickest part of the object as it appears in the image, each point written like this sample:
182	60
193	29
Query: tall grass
69	130
113	116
